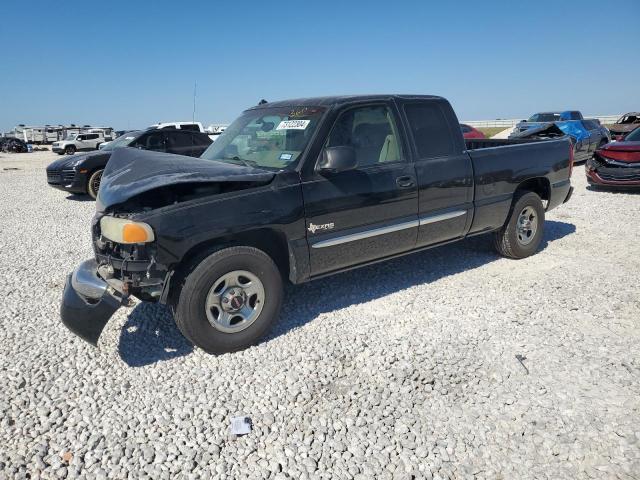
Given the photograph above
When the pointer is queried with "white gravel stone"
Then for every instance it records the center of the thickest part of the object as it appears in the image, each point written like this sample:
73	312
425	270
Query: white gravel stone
406	369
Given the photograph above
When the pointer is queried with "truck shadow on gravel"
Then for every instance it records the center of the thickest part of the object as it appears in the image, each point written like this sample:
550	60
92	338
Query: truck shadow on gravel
150	334
75	197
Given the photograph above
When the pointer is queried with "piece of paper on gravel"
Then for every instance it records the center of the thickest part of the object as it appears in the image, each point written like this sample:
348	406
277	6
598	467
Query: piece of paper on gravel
240	425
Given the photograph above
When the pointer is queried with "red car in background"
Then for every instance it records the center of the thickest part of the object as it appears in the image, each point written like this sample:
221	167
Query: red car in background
616	164
469	132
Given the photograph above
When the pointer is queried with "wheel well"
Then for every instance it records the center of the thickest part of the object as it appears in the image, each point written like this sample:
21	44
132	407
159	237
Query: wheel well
270	241
541	186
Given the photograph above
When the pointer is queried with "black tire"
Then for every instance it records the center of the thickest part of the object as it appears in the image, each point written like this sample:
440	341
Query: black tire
93	184
512	243
70	149
190	310
60	153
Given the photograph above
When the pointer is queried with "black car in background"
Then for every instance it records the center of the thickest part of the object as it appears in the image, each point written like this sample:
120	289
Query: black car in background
82	173
12	145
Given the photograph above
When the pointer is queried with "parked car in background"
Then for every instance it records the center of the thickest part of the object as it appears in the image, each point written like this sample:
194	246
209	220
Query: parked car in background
616	164
191	126
469	132
78	142
298	190
625	124
599	135
586	135
537	119
83	173
13	145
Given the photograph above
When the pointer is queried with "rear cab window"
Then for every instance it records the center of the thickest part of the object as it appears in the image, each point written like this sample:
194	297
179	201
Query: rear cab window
430	131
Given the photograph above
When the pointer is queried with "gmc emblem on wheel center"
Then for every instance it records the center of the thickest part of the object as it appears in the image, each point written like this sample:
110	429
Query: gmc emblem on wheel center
325	226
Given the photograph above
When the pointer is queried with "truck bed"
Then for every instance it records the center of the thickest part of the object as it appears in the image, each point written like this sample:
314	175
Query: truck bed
498	172
478	143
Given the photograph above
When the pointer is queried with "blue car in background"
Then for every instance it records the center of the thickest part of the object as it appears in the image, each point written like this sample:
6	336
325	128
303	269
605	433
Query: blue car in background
538	119
587	135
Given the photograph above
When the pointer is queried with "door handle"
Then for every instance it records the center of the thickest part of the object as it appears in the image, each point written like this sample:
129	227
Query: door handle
405	182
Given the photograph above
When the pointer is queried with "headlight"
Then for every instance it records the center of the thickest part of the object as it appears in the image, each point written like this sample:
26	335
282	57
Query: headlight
121	230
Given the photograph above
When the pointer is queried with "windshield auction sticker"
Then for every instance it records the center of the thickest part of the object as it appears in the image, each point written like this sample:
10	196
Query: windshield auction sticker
293	125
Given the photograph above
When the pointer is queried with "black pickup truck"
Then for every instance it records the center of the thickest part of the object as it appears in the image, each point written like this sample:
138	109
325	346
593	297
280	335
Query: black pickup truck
296	190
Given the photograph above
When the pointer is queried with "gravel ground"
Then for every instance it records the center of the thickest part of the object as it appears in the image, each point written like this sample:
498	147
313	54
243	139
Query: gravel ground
411	374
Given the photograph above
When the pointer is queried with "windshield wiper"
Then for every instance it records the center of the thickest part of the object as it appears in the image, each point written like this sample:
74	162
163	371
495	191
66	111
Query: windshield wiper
246	163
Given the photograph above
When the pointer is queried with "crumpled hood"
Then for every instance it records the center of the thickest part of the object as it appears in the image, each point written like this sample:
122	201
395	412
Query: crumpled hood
131	172
67	162
623	127
541	129
572	128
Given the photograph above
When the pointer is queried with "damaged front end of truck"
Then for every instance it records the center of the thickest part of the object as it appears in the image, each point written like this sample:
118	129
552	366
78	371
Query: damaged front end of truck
132	258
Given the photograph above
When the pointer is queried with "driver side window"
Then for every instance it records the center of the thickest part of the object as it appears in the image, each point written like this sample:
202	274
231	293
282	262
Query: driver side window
370	131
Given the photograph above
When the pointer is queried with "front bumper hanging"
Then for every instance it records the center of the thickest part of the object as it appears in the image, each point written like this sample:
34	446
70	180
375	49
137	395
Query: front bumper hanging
88	302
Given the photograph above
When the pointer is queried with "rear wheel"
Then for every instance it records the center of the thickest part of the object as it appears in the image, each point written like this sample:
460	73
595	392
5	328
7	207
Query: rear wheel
70	149
521	235
229	300
93	184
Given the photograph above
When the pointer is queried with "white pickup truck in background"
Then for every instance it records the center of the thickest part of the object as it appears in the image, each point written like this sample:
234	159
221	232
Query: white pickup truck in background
193	126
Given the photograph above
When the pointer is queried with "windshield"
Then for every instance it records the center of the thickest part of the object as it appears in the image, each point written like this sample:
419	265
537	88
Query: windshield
544	117
270	138
71	136
633	136
629	119
121	141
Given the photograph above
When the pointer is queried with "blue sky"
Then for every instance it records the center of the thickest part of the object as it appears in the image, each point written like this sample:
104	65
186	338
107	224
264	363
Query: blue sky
130	64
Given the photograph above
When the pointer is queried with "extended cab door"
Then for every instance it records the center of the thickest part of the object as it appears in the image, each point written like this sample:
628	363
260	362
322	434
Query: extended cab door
370	212
444	171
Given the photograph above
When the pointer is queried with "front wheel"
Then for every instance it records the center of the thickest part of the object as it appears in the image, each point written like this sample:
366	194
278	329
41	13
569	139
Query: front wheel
521	235
93	184
70	149
229	300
